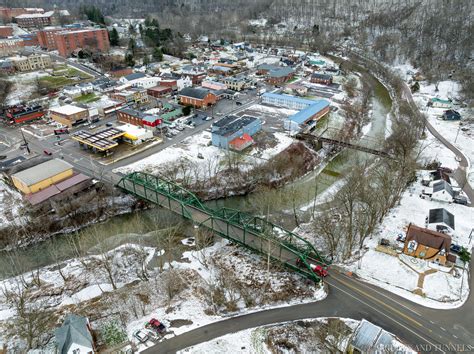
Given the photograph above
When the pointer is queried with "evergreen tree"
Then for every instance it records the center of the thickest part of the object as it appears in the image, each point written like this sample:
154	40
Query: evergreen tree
114	37
129	61
132	46
158	54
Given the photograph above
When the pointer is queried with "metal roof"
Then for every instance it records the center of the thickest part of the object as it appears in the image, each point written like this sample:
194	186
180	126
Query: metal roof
441	215
73	331
365	336
289	98
42	171
303	115
192	92
102	140
235	125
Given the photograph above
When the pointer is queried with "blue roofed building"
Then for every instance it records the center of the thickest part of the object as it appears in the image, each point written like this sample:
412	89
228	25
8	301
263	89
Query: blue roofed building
286	101
74	336
231	127
310	110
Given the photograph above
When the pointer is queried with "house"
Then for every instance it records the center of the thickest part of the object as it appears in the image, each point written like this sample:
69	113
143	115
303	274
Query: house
451	115
197	97
41	176
6	66
369	338
324	79
440	219
131	77
184	82
74	336
280	75
443	192
69	115
435	176
231	127
439	103
427	244
296	88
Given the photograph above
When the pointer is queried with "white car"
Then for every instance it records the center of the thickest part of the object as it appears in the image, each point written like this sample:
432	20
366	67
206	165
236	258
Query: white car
141	335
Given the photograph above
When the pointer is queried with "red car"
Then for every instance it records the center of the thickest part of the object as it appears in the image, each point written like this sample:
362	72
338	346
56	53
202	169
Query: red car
318	269
155	325
46	152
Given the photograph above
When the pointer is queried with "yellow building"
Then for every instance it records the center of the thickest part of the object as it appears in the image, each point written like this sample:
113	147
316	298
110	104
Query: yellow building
42	176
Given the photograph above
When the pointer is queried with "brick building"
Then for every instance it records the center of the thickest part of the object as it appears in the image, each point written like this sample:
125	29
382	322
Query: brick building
137	118
69	115
159	91
46	37
197	97
40	20
6	31
8	13
96	39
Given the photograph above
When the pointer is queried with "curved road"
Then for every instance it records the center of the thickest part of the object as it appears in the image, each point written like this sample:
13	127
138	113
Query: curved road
424	329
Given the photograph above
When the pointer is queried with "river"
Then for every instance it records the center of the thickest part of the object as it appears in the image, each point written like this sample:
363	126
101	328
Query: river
279	203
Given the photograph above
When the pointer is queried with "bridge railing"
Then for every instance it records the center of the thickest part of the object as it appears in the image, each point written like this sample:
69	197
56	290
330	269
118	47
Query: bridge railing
187	203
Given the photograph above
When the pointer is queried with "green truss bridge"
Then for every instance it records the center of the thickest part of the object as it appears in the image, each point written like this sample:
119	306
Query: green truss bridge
253	232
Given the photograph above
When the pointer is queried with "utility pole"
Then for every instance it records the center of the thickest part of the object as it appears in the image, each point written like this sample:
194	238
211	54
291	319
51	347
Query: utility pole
25	142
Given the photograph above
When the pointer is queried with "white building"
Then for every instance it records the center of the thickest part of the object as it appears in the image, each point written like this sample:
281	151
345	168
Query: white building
135	135
184	82
31	62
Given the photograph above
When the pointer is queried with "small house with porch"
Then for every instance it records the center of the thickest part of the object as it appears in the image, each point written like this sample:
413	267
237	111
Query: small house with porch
427	244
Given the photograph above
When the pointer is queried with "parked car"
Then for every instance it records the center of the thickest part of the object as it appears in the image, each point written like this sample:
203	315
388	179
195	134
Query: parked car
3	157
109	124
155	325
238	103
46	152
455	248
141	335
460	200
168	135
384	242
209	118
179	127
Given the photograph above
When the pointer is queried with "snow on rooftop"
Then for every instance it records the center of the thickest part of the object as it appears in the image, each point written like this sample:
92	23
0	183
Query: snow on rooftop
67	109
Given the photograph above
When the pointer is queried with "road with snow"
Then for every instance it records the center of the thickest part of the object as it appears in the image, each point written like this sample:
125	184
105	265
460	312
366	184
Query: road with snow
424	329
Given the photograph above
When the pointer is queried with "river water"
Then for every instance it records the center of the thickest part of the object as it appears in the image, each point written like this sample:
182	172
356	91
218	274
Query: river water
277	204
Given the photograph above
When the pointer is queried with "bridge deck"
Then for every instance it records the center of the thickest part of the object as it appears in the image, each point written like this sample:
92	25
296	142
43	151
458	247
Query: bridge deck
250	231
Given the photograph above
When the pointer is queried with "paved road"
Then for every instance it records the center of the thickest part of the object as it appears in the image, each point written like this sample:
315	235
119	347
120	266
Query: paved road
422	328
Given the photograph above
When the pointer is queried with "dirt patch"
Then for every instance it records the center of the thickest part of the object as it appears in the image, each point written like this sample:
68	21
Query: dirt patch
180	323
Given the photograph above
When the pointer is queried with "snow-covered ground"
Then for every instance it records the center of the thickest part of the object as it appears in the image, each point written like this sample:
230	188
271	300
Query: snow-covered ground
24	84
211	264
185	154
461	134
10	205
400	273
255	340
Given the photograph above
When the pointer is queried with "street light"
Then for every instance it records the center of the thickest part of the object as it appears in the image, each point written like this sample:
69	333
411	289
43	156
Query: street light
25	142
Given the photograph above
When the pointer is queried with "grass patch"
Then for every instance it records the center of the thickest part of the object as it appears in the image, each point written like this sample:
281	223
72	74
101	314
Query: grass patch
69	71
56	81
87	98
293	80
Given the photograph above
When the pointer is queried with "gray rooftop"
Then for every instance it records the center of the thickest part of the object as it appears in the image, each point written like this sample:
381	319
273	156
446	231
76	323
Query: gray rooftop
443	185
73	331
192	92
441	215
365	336
233	125
42	171
134	76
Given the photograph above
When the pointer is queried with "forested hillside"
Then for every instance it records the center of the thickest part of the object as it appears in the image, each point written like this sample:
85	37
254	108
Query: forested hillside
435	35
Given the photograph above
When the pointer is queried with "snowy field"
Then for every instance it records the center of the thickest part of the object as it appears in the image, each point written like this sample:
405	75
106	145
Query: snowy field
10	206
24	84
400	274
213	158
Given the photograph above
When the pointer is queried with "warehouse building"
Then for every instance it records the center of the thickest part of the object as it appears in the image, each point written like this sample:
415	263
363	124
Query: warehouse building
229	128
69	115
307	118
286	101
42	176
